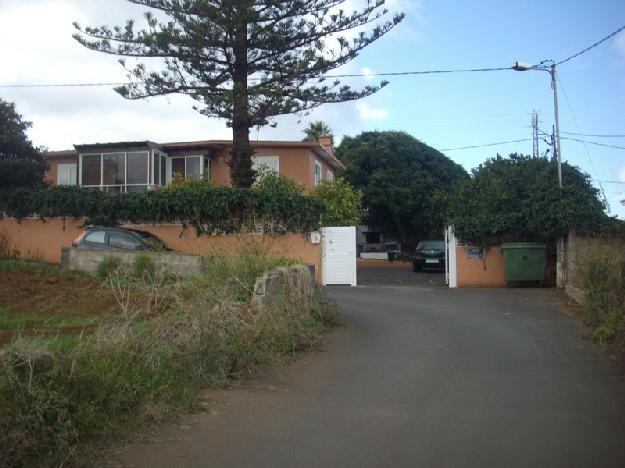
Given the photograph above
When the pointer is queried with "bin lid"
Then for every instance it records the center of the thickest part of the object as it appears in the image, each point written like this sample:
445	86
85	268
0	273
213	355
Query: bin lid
523	245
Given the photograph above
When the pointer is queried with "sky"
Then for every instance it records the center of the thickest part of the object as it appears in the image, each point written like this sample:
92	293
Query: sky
445	111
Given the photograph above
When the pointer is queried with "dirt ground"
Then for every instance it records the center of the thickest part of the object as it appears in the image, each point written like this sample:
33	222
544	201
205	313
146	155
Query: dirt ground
52	295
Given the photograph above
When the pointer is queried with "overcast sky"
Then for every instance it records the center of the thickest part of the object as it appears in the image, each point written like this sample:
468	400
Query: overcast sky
444	111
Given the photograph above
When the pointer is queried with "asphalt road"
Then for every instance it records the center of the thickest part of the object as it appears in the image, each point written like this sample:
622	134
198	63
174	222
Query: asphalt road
419	375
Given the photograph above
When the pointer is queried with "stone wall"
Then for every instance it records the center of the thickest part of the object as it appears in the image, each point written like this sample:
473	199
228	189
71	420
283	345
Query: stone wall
87	260
580	250
286	285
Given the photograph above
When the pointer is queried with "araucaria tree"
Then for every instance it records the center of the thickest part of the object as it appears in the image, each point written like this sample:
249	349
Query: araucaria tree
244	60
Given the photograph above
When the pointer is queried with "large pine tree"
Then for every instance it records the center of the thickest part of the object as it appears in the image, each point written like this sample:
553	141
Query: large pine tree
244	60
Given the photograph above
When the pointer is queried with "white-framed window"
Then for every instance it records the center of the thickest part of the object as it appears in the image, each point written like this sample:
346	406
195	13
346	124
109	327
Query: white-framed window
317	172
115	172
270	162
188	167
66	174
330	175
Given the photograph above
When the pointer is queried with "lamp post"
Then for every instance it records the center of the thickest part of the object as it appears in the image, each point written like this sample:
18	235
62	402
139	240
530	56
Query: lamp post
520	66
551	69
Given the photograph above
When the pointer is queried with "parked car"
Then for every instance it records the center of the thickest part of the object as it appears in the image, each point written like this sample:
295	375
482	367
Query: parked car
118	238
429	254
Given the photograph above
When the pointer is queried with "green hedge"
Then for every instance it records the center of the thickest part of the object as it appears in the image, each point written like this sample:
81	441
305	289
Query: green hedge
210	209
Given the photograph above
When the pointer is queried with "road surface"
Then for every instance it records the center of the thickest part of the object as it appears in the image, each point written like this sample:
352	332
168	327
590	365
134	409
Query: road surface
419	375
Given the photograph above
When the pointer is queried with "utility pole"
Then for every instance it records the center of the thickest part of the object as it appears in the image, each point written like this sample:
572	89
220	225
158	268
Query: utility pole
535	150
554	86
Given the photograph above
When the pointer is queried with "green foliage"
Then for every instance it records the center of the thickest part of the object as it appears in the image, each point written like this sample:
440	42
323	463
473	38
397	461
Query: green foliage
343	203
518	199
315	130
603	307
143	267
404	182
277	209
59	394
21	164
215	52
110	265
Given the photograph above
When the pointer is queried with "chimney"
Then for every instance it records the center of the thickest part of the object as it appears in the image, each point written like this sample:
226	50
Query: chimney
326	142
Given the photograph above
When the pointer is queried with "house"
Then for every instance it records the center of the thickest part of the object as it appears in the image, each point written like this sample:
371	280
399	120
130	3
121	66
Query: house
143	165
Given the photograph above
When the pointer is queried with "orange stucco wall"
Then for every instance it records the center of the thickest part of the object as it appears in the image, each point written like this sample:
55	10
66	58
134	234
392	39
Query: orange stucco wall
43	241
487	272
296	163
50	175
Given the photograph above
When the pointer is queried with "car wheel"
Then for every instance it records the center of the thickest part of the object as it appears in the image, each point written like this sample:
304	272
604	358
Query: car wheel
416	268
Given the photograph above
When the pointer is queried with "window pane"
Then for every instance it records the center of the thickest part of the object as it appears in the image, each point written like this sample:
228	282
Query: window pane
137	168
95	237
120	240
91	170
163	170
194	168
114	170
177	167
156	163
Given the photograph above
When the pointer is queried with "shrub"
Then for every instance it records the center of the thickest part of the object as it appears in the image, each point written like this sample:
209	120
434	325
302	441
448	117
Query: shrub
56	397
343	203
209	209
143	267
109	265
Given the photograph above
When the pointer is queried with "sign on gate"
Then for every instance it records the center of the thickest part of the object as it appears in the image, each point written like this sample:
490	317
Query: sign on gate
339	255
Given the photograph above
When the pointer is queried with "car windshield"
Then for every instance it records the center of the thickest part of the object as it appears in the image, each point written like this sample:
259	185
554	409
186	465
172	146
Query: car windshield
154	242
431	245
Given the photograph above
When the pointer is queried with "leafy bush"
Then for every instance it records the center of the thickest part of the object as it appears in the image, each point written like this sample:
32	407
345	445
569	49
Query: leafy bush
600	267
143	267
210	209
343	203
518	199
58	395
110	265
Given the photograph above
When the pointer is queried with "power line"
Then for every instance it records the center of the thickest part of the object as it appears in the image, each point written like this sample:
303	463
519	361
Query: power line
619	135
486	145
350	75
579	132
593	143
63	85
592	46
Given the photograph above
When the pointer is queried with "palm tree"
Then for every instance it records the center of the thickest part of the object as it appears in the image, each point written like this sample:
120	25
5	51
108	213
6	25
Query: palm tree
315	130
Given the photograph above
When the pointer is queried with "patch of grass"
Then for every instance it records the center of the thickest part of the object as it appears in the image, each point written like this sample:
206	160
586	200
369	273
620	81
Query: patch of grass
29	266
19	321
59	393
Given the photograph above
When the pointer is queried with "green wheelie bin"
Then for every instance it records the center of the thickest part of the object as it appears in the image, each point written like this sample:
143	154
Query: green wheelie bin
524	261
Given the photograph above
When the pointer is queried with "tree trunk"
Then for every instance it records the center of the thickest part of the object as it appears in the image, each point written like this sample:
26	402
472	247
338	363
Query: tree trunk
241	172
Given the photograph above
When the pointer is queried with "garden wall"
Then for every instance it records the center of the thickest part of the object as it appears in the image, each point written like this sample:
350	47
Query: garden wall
42	240
580	251
479	268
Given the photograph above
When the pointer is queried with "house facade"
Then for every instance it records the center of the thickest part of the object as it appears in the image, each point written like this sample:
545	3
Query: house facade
145	165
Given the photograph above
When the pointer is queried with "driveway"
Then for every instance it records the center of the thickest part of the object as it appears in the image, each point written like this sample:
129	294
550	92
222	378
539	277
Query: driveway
419	375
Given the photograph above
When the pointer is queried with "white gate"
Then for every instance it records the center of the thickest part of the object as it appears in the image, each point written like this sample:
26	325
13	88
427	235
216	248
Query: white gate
339	255
450	258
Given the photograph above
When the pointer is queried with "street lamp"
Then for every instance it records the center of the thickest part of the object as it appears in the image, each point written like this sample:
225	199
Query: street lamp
551	69
520	66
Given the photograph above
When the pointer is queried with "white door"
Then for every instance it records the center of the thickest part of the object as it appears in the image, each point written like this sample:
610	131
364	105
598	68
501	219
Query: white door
339	255
450	258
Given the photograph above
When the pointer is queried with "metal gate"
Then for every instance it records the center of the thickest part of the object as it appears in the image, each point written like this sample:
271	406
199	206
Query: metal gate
339	255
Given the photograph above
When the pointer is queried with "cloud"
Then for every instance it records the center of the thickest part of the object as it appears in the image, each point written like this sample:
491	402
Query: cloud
621	174
367	112
37	47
